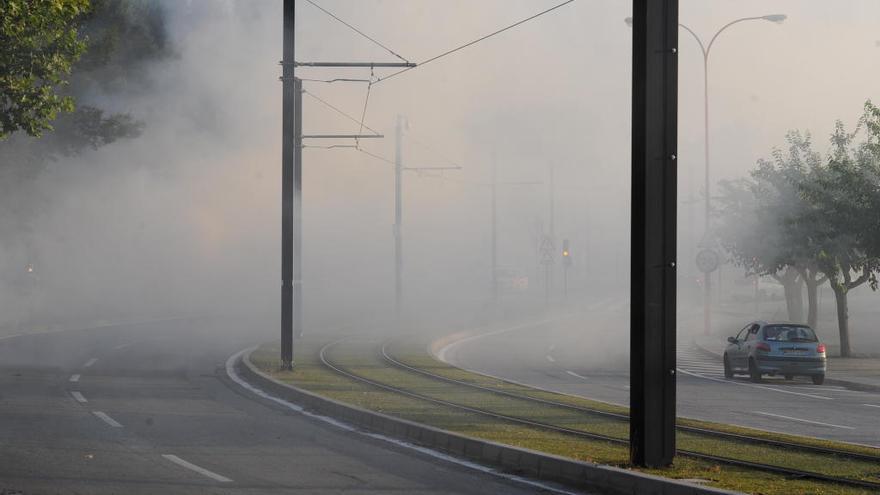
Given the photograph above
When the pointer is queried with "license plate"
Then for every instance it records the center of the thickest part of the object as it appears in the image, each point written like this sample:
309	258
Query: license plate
794	351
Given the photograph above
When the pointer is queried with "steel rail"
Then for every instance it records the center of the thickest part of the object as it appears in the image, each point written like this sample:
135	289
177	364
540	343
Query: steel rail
794	473
624	417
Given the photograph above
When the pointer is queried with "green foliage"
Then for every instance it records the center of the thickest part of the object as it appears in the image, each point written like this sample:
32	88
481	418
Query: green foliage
39	44
759	226
796	211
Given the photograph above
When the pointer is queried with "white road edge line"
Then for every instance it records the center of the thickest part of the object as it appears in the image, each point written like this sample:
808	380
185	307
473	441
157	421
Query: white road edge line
90	362
192	467
74	378
572	373
107	419
804	420
78	396
872	405
698	375
230	371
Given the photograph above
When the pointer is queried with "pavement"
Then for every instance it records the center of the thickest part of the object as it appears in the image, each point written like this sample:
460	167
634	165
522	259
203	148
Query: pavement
861	373
147	408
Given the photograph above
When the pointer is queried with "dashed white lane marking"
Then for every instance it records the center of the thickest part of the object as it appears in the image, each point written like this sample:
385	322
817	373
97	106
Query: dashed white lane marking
78	396
90	362
192	467
107	419
572	373
872	405
804	420
550	358
121	346
74	378
230	371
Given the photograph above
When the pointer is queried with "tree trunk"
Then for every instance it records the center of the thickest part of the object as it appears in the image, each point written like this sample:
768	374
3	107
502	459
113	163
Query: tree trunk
796	312
813	280
840	292
792	285
812	303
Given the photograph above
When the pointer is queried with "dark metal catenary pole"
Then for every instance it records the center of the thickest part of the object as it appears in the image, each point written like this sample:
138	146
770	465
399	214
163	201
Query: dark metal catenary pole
287	157
653	255
398	216
297	211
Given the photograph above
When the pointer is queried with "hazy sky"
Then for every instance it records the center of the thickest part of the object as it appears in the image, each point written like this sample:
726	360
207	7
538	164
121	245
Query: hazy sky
197	204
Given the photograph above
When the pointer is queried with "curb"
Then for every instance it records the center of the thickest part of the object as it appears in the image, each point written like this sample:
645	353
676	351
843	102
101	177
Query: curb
861	387
523	462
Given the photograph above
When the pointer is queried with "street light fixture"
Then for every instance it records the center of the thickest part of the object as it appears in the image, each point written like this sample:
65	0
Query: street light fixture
706	48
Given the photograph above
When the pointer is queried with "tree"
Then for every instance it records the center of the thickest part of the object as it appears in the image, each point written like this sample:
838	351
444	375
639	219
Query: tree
843	217
39	43
756	225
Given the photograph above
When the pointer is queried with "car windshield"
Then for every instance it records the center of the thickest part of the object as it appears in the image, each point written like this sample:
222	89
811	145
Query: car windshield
789	333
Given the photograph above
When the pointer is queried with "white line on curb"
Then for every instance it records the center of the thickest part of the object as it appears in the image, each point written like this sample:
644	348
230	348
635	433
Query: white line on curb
230	371
107	419
204	472
74	378
572	373
78	396
90	362
804	420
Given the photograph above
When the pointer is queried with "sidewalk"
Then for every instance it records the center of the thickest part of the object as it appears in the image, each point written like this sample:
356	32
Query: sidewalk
854	373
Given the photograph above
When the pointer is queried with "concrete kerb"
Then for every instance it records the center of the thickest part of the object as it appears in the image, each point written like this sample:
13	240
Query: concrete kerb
861	387
521	461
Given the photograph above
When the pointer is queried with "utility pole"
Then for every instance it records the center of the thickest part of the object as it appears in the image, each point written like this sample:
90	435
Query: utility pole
288	143
653	253
398	218
291	180
494	186
548	266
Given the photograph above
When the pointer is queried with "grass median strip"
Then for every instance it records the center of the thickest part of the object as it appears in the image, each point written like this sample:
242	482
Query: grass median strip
361	357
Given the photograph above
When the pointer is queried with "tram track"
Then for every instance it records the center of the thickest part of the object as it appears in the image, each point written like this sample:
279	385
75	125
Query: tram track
386	358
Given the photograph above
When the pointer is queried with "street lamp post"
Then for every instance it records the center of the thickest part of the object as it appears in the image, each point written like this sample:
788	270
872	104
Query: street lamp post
706	49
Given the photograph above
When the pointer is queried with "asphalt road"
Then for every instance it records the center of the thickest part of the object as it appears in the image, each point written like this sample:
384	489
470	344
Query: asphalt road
588	357
148	409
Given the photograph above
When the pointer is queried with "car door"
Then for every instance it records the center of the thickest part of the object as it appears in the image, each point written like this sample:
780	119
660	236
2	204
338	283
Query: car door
750	342
735	350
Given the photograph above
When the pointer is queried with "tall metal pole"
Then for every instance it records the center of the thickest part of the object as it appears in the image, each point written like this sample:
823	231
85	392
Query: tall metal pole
398	218
297	212
653	254
494	187
707	276
287	158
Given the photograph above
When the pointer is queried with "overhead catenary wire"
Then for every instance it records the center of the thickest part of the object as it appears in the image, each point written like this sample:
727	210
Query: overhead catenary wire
340	112
461	47
358	31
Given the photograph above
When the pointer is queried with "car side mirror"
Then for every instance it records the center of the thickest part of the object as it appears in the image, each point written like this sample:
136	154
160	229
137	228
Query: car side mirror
732	340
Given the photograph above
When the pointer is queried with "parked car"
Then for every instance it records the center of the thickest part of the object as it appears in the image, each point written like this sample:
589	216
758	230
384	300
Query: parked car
786	349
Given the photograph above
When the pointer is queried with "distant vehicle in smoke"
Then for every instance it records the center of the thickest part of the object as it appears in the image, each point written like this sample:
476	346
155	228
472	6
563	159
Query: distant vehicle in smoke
511	279
786	349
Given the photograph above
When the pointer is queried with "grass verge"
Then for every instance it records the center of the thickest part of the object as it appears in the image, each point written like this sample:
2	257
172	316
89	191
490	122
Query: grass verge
360	357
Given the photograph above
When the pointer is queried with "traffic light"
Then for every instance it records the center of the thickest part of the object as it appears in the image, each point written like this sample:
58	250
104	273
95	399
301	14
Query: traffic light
566	254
